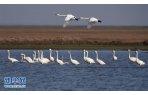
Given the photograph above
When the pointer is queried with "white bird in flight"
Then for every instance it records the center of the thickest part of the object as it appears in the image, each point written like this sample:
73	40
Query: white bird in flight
68	18
91	21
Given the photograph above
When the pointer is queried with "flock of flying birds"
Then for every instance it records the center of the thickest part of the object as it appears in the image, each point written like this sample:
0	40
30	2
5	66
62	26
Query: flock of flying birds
38	57
69	17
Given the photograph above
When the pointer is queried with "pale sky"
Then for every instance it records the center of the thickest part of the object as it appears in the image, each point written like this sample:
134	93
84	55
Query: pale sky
43	14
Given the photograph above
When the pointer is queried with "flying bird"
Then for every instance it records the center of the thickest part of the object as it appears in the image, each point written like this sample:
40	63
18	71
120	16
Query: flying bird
68	18
91	21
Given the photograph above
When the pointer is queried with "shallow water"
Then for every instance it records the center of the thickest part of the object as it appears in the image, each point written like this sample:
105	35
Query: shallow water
115	75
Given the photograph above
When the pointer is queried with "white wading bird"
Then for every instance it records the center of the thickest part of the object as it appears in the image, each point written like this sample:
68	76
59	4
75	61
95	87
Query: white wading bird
28	59
58	60
91	60
133	59
73	60
68	18
114	56
91	21
35	57
99	60
88	59
140	62
50	57
84	56
41	59
13	60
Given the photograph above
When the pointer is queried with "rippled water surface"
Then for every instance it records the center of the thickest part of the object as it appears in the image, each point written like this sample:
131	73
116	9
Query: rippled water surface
115	75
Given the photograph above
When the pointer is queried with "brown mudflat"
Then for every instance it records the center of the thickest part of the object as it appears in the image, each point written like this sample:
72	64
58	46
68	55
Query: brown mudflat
55	35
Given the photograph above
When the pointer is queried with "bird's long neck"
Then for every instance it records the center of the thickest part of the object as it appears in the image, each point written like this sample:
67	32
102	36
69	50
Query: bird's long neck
39	56
22	57
34	54
96	55
57	55
34	57
136	54
50	53
129	54
70	56
84	54
113	53
8	54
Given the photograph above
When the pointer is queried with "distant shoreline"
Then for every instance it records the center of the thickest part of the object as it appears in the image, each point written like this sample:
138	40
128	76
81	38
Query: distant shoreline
73	37
75	47
72	26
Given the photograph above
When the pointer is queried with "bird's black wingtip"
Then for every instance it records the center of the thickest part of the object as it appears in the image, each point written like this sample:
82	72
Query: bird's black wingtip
99	21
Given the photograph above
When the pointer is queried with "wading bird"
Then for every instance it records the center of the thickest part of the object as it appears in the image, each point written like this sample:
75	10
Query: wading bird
114	56
73	60
86	58
68	18
140	62
58	60
13	60
91	21
41	59
133	59
50	56
35	56
91	60
99	60
28	59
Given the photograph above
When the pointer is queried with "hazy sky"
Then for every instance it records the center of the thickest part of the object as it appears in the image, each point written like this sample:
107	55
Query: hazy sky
43	14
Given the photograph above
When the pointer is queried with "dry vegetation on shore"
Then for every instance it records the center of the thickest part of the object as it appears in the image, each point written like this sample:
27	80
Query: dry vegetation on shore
50	36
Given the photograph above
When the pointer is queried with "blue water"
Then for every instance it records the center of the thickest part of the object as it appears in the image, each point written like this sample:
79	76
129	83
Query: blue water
115	75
